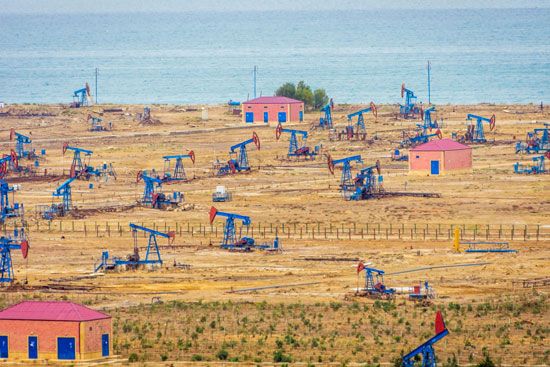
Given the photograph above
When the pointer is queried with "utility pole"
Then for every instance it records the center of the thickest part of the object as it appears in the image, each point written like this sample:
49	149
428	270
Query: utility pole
429	84
255	73
96	85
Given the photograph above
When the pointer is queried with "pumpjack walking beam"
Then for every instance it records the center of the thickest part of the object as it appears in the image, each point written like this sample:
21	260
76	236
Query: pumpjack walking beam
360	124
8	162
82	97
374	283
428	124
77	166
179	171
229	232
7	210
297	147
476	132
152	253
410	109
238	161
426	349
21	141
19	241
64	191
242	155
367	185
326	120
151	183
346	184
152	244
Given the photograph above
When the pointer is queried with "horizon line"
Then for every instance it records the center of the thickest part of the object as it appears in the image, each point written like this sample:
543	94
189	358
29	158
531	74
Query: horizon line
181	11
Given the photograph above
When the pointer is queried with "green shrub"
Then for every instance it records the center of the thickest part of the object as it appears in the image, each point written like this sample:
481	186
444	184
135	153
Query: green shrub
280	357
197	358
451	362
487	361
222	355
133	358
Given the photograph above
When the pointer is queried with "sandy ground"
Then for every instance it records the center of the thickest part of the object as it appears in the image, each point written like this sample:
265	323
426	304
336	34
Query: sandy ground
276	191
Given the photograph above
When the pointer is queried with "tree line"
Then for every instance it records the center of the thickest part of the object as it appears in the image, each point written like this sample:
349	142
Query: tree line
313	99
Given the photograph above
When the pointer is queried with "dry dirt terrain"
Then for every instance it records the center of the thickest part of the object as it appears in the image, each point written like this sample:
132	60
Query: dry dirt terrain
301	311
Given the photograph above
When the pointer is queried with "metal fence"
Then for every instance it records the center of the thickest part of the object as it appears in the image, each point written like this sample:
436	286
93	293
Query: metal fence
312	231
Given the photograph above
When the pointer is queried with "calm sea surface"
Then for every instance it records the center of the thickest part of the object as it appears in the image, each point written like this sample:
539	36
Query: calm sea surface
357	56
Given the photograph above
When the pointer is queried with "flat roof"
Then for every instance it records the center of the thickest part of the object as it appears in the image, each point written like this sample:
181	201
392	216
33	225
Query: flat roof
51	311
273	100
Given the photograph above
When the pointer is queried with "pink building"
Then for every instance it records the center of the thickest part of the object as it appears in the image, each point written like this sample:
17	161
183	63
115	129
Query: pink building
36	330
439	156
273	109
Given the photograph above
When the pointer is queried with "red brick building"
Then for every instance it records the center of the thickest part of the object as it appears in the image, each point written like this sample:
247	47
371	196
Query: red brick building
35	330
440	156
273	109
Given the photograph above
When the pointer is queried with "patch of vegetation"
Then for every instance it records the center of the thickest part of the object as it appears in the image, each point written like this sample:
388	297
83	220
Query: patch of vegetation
302	92
361	331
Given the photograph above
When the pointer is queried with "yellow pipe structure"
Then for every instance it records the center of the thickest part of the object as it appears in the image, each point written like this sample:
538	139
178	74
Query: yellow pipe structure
456	242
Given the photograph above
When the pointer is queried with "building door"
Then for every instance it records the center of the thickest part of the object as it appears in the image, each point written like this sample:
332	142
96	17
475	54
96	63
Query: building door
434	167
105	345
282	117
33	347
249	117
66	348
3	347
266	117
301	116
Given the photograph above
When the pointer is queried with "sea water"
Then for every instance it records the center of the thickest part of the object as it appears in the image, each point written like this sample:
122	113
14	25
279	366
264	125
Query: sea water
487	55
